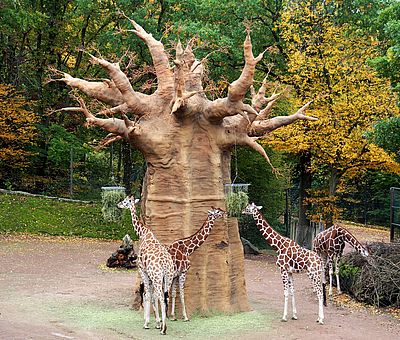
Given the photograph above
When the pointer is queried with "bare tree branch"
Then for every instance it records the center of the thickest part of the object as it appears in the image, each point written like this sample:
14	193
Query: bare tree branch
238	89
136	101
260	127
159	56
105	91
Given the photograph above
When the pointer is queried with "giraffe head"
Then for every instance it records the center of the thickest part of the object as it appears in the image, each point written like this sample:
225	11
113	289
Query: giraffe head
365	251
128	203
216	213
251	208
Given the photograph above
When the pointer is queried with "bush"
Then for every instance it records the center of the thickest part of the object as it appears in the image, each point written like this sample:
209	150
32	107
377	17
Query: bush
376	279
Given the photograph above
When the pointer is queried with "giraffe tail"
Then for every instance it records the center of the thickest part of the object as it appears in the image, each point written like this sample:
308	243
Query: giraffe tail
141	292
324	293
166	295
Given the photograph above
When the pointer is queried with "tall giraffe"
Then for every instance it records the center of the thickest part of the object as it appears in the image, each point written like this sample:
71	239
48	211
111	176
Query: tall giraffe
291	259
156	267
329	244
181	250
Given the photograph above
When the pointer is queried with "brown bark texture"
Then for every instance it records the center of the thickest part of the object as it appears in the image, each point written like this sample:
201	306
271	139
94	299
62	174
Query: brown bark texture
186	141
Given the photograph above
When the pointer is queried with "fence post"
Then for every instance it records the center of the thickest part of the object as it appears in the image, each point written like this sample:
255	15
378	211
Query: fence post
392	214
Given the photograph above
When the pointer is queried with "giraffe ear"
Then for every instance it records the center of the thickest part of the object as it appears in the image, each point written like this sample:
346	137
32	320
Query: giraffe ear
136	200
259	207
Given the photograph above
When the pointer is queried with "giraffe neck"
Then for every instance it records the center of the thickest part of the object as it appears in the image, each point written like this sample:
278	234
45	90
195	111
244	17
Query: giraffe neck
350	239
273	238
196	240
140	229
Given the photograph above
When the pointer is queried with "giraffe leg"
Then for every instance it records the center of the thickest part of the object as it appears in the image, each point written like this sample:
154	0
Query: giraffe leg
147	298
291	289
154	301
330	278
182	280
320	294
323	278
285	281
318	288
160	296
174	284
337	269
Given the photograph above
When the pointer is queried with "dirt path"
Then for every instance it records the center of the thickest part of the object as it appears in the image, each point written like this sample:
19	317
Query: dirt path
52	288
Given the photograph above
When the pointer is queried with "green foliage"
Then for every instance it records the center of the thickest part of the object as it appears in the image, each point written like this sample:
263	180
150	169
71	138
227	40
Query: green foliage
236	202
386	134
388	27
266	189
43	216
110	196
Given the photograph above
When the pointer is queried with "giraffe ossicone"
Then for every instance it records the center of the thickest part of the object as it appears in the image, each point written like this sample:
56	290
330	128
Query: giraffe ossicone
291	258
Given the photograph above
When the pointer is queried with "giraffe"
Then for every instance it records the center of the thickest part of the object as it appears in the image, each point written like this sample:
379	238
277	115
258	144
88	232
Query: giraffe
155	265
292	258
329	244
180	251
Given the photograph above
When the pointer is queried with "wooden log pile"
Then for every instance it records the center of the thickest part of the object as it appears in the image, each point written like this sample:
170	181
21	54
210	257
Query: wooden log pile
375	279
124	256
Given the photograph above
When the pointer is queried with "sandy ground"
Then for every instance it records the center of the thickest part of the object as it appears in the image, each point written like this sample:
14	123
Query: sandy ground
53	288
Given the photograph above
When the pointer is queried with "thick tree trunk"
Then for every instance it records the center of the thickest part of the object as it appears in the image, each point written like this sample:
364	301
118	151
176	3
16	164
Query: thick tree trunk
185	176
303	231
333	181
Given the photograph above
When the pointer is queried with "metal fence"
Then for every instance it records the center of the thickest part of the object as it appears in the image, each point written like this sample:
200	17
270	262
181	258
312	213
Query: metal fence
394	214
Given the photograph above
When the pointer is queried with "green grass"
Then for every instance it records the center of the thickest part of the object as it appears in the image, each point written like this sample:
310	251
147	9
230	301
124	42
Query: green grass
128	323
37	215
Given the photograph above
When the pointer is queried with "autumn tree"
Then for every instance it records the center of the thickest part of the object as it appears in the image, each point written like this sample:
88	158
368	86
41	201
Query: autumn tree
328	63
186	140
17	130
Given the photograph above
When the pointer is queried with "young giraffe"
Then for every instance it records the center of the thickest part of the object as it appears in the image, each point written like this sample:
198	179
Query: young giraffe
156	267
181	250
329	244
291	259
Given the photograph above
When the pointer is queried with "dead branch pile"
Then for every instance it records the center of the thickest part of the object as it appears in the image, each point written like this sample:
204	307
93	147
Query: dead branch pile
375	279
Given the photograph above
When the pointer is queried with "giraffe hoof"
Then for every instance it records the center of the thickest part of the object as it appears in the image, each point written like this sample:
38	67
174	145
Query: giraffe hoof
174	318
321	322
283	320
186	320
294	317
146	327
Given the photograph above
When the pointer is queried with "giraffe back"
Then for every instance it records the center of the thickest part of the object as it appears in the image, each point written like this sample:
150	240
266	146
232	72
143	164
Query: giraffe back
329	242
154	258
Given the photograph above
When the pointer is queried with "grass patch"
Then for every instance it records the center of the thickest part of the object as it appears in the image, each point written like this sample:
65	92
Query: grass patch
129	323
43	216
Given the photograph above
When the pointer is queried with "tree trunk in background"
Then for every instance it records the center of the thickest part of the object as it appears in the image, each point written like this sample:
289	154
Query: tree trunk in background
333	181
303	231
127	160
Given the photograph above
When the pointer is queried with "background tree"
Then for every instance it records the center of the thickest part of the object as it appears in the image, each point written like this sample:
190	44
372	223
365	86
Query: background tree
17	132
326	62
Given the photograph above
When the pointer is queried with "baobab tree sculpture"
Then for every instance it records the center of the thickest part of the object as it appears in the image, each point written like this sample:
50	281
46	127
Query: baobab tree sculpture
186	140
